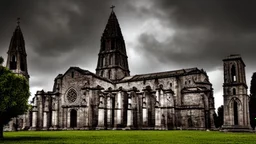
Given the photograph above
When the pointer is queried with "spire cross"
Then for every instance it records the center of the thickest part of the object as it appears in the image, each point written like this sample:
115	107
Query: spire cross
18	21
112	7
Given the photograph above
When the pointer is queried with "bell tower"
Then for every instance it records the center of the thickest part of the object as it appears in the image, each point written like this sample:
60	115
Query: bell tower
17	56
112	58
236	99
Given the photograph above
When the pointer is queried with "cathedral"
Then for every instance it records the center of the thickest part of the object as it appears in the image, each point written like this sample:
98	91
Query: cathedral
111	98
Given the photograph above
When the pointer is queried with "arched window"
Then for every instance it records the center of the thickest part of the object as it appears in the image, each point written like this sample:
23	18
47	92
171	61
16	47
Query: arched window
171	85
233	73
72	74
234	91
22	64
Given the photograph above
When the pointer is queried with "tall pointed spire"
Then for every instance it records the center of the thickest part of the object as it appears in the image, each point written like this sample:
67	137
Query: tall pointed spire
17	56
112	61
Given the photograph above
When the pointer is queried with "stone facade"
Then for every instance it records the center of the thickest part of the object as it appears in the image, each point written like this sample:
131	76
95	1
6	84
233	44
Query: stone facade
112	99
236	99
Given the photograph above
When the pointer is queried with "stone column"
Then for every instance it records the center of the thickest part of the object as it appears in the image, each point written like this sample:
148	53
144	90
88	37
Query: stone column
54	113
68	117
129	114
109	111
45	121
34	118
118	110
46	114
158	114
101	115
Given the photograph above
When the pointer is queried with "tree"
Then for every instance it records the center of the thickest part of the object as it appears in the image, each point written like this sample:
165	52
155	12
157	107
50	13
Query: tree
14	94
218	119
1	61
252	102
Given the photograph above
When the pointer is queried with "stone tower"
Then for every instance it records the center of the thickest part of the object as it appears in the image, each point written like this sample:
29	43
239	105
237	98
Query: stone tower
236	100
112	59
17	56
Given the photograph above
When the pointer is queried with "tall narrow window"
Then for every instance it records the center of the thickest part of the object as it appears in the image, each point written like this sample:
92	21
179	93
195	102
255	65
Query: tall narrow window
110	59
73	118
234	91
233	73
235	113
72	74
13	63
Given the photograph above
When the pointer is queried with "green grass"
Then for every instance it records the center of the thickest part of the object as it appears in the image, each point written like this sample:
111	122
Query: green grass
160	137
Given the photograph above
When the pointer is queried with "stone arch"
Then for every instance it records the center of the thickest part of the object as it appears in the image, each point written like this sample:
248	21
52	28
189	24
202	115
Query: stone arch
235	110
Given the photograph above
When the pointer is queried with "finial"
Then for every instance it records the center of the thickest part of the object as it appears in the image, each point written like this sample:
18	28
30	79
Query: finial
18	21
112	7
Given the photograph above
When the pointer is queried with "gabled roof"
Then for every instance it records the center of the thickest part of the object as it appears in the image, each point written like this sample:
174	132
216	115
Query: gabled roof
162	74
83	72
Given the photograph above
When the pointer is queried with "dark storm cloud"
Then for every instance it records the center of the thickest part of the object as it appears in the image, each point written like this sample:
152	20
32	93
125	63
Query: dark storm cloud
64	33
58	34
206	31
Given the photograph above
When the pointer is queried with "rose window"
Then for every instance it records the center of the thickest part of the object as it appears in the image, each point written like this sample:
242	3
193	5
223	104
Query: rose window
71	96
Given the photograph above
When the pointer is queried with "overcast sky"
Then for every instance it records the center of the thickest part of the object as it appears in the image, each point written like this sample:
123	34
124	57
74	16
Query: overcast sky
160	35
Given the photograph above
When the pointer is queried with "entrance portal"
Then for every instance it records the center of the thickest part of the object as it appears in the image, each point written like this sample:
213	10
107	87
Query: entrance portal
73	118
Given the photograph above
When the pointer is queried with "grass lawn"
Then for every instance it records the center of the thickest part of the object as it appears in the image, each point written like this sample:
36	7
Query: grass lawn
216	137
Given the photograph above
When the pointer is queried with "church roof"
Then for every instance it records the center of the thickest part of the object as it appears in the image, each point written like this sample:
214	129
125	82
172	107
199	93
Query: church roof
112	28
162	74
83	72
17	41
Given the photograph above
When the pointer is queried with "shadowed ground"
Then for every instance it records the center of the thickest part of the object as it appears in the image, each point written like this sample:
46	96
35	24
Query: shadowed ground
127	137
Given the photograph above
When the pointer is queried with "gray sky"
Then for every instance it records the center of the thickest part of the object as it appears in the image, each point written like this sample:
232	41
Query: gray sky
160	35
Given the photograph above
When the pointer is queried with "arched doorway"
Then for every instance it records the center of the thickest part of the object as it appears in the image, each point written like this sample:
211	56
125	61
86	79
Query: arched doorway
235	113
73	118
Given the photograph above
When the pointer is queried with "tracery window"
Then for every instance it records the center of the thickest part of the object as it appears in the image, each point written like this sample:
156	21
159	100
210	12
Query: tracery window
71	96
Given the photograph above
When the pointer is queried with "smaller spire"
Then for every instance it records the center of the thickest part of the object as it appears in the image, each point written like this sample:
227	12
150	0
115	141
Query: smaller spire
112	7
18	21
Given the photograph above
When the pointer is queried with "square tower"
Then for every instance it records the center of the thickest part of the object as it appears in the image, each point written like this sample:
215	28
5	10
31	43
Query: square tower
236	99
